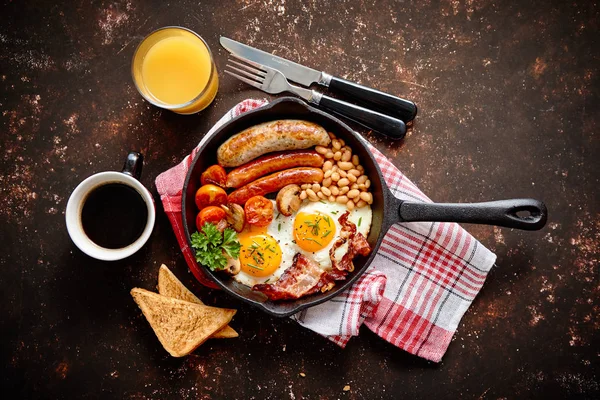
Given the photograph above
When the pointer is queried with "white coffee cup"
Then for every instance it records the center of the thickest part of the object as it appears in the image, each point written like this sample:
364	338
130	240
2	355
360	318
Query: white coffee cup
128	176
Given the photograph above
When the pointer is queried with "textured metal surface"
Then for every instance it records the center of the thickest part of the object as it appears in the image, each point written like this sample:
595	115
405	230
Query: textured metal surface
508	107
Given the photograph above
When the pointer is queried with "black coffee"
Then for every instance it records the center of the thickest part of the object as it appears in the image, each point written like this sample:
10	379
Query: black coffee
114	215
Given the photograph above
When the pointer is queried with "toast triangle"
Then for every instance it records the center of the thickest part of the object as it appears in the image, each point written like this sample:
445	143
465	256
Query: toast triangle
180	326
170	286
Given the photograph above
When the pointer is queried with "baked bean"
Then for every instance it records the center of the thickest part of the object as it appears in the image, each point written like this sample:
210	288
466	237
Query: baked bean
326	191
368	184
362	179
331	135
321	195
312	196
345	165
304	186
365	196
327	174
331	198
353	193
327	165
343	182
336	144
346	156
329	154
344	190
354	186
355	160
351	178
370	200
342	173
335	177
316	187
360	168
334	190
337	156
350	205
361	203
303	195
321	150
342	143
326	182
354	172
341	199
362	187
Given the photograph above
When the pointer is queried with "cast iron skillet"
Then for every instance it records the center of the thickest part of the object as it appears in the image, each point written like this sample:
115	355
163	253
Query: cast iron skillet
387	209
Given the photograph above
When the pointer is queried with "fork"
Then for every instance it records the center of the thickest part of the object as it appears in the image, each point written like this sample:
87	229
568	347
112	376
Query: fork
273	81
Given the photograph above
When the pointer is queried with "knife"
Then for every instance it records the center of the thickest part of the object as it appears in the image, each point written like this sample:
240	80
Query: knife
380	101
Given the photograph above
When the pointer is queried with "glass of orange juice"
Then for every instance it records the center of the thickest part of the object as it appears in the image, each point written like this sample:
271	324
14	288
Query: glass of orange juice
173	68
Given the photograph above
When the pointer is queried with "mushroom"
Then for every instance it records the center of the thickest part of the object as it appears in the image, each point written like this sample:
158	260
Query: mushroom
234	213
233	266
288	200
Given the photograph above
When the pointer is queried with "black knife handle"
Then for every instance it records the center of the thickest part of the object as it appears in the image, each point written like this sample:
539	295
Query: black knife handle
380	101
389	126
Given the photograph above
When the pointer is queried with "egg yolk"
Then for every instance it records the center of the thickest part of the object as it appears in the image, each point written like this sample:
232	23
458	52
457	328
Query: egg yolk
260	255
313	232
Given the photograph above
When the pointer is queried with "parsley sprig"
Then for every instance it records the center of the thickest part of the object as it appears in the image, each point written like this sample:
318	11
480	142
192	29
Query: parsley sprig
211	246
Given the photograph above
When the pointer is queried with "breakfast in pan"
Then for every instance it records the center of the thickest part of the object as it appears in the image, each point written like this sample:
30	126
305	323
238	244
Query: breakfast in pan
289	214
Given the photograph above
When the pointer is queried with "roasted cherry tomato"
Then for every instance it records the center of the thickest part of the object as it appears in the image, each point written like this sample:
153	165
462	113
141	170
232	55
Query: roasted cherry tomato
214	215
259	211
214	174
210	195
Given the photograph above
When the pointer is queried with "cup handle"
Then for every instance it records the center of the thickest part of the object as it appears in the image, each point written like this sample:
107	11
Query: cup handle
133	164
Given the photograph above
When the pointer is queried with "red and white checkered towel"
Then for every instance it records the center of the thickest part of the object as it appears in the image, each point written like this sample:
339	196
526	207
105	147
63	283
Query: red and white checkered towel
418	287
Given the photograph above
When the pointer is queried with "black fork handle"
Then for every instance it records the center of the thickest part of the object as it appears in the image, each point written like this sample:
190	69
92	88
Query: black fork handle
389	126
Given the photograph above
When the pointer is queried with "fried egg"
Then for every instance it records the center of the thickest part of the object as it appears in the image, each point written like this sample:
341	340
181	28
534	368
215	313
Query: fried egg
267	252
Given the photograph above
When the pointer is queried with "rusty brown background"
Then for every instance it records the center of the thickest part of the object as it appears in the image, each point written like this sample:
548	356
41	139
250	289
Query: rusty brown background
508	100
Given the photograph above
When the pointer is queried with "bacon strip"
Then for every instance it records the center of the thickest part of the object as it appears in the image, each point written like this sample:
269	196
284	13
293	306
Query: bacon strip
357	244
304	277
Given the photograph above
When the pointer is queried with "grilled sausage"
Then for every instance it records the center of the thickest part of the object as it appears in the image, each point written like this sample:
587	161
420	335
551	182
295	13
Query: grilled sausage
274	182
273	162
268	137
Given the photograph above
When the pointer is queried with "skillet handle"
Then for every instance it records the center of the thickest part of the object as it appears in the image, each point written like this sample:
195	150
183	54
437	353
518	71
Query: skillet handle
526	214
